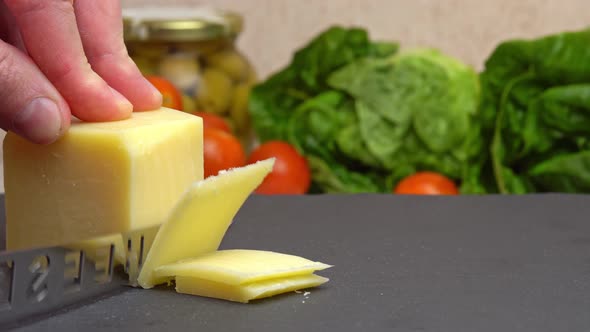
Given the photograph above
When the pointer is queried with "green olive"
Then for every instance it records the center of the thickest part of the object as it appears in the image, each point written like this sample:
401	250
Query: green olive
182	71
188	104
215	91
231	63
252	77
239	107
150	50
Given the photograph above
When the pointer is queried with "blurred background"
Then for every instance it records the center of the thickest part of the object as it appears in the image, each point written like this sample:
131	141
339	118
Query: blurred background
468	29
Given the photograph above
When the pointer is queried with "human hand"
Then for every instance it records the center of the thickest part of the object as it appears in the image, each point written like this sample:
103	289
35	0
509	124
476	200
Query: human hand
63	57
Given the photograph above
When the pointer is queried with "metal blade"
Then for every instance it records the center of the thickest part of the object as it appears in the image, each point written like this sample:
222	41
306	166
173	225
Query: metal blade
138	244
42	280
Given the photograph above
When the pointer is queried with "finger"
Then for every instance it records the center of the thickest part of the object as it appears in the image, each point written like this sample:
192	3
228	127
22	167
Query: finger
101	29
29	104
50	34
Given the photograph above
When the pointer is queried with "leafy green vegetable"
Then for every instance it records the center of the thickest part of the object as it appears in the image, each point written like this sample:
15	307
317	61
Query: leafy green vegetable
336	178
415	109
297	105
563	173
535	116
273	101
366	115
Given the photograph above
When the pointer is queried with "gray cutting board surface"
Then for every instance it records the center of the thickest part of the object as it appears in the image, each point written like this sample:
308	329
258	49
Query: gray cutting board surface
456	264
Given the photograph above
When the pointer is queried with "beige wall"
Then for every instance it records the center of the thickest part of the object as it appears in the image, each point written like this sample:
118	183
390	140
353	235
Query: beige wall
468	29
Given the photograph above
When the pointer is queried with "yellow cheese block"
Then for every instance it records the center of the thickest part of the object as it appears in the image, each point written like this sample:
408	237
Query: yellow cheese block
98	248
247	292
199	222
100	178
241	266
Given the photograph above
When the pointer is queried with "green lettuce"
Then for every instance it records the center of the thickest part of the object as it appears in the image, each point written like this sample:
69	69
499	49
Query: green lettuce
414	109
273	101
365	114
535	117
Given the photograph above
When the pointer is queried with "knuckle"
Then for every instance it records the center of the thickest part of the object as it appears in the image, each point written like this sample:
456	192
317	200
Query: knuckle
60	73
107	56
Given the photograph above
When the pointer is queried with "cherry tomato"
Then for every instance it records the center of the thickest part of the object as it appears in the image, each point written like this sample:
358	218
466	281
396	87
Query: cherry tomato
290	174
222	151
426	183
211	120
171	97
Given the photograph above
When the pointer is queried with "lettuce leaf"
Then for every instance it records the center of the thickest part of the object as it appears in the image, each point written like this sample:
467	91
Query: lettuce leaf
297	105
415	110
366	115
272	102
536	115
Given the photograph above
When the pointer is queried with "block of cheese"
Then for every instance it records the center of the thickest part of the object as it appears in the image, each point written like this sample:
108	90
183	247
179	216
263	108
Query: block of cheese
243	275
241	266
199	221
247	292
100	178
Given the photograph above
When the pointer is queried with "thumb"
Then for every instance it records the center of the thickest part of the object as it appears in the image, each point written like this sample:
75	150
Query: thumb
30	105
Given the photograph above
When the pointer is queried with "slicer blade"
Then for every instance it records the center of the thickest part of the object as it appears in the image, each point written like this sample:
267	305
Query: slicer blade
39	281
137	243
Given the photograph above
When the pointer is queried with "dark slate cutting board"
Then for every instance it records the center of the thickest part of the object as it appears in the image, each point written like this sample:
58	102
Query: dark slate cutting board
401	264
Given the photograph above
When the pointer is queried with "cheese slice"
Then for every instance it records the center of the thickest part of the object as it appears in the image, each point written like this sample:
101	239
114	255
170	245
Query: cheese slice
100	178
241	266
243	275
199	222
247	292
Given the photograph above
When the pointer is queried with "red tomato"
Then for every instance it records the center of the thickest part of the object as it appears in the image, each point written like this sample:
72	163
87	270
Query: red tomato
171	97
211	120
222	151
290	174
426	183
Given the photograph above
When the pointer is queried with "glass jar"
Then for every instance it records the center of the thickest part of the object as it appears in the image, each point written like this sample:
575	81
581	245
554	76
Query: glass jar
196	50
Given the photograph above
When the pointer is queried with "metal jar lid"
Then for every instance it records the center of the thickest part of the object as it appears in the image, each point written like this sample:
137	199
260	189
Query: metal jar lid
178	24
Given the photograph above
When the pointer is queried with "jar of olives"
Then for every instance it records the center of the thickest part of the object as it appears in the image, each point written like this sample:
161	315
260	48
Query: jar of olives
195	49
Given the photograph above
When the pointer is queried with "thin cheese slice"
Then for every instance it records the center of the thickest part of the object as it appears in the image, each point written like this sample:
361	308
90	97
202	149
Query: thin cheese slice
240	266
199	222
247	292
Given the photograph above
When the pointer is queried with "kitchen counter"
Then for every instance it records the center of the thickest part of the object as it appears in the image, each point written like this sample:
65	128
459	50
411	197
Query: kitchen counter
400	264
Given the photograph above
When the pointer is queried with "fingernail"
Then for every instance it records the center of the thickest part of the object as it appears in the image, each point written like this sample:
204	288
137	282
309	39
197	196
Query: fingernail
39	121
123	104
